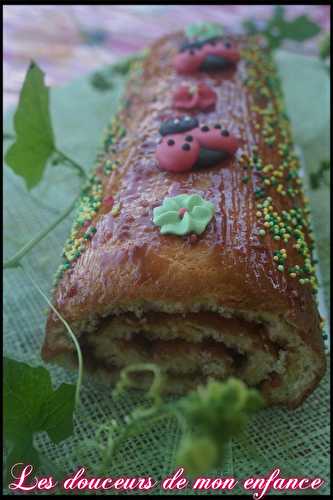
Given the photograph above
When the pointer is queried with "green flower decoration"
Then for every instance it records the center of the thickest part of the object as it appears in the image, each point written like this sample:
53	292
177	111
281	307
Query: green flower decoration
183	214
204	30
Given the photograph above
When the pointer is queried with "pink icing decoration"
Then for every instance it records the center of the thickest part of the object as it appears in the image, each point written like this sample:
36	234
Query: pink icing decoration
175	159
189	61
182	212
213	139
186	63
199	96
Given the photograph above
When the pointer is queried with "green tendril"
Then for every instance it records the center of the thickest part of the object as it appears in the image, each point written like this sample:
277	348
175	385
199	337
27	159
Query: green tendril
125	381
209	418
70	333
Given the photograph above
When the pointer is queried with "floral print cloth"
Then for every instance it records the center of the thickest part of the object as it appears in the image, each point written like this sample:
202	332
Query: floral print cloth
68	41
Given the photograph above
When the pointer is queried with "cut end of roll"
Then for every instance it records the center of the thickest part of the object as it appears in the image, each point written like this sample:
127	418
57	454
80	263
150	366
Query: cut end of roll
264	352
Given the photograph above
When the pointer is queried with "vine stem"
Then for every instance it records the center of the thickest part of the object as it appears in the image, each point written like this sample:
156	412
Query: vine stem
15	260
67	159
71	334
156	385
131	430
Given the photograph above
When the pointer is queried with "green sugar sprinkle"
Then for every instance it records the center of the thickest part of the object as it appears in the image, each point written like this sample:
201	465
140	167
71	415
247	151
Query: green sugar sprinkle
286	227
90	200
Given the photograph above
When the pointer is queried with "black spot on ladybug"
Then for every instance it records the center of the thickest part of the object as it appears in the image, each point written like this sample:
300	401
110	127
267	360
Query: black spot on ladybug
192	52
217	125
170	142
186	147
178	125
189	138
225	133
215	63
227	45
205	128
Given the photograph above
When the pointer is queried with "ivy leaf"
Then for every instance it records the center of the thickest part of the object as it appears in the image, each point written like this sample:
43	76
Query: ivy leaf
31	405
277	28
34	143
21	451
298	29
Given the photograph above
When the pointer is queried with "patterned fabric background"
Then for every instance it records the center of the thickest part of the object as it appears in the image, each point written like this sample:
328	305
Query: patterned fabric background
68	41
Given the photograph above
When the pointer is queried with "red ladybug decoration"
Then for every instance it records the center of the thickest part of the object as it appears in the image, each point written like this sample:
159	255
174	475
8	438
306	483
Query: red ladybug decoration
185	145
177	153
208	55
198	97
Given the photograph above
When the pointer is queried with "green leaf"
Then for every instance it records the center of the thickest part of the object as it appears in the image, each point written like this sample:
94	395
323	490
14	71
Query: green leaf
250	26
318	177
216	412
298	29
34	143
31	405
100	82
22	451
220	408
277	28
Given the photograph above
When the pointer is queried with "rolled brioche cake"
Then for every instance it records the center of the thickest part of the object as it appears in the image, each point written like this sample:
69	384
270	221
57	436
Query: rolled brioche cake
191	246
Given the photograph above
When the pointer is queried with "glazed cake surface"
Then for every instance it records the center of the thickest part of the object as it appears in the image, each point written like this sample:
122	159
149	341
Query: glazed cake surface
237	299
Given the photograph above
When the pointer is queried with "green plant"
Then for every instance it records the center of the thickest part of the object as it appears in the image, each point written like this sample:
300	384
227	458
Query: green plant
31	405
278	28
318	177
210	417
34	146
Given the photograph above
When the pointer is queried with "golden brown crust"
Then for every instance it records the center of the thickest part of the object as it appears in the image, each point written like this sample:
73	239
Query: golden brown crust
129	263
